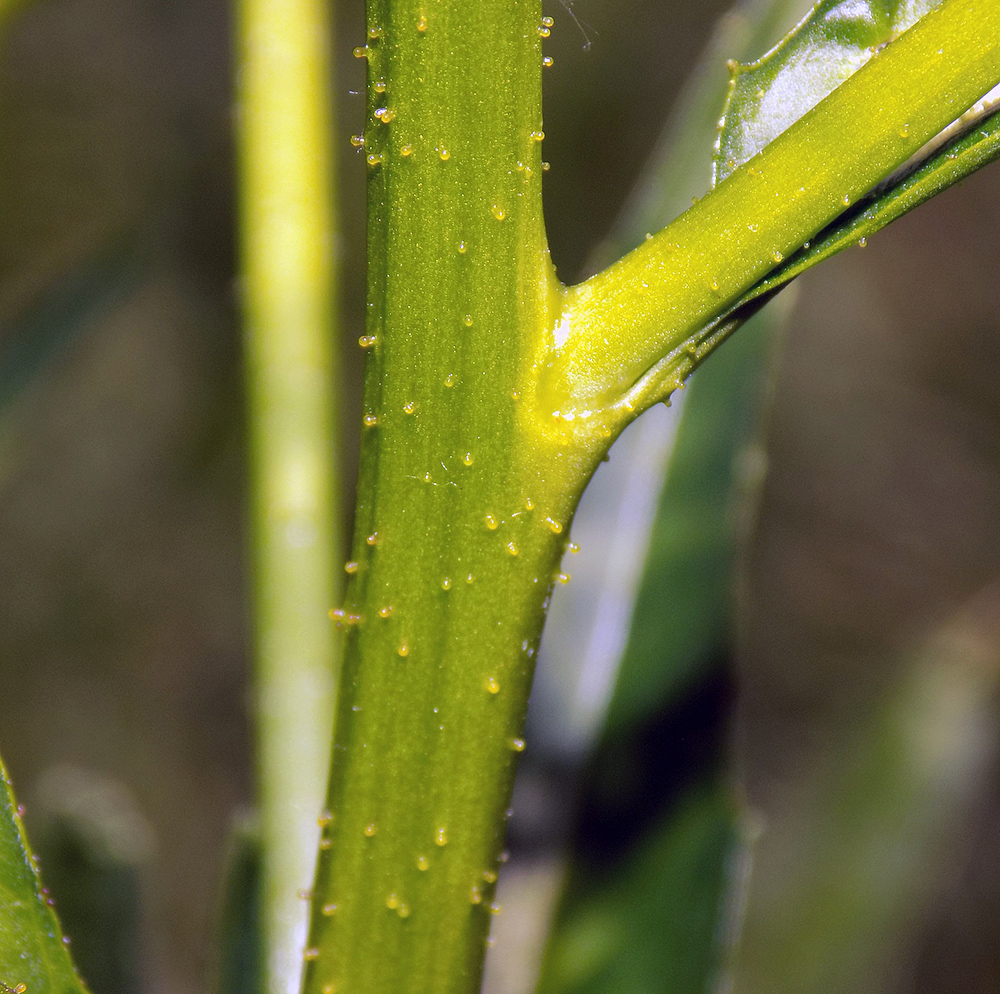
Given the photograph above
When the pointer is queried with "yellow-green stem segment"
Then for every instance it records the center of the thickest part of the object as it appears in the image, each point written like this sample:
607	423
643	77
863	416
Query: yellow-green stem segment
463	514
288	247
620	323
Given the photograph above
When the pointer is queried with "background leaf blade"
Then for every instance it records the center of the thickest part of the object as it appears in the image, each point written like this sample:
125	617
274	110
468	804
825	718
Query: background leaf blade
33	950
829	45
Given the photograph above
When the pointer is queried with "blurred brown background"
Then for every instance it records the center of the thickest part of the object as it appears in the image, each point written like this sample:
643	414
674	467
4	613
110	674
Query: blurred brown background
123	646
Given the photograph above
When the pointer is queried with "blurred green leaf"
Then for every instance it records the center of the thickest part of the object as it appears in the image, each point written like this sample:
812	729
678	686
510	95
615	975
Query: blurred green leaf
651	925
94	844
683	613
67	307
865	840
33	954
241	952
832	43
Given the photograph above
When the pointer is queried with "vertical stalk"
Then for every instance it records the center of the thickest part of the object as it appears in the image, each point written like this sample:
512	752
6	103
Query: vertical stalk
465	499
287	196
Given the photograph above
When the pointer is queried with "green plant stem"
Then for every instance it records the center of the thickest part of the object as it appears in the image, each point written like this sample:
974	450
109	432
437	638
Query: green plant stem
463	513
618	325
287	241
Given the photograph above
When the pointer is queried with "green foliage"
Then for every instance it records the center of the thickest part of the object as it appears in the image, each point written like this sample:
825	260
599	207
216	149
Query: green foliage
768	96
93	843
871	823
684	608
33	953
651	922
240	933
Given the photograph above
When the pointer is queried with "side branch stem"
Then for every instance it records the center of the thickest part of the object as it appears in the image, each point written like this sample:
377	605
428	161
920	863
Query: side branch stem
623	321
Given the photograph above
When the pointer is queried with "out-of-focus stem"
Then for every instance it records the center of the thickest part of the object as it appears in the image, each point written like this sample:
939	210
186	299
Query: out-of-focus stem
287	226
